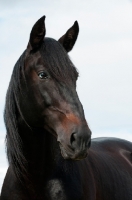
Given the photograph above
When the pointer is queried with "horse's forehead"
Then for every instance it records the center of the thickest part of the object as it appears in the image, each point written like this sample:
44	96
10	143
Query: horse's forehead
33	60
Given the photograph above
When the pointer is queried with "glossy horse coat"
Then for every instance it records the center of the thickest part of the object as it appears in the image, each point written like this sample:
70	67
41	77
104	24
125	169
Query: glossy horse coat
48	139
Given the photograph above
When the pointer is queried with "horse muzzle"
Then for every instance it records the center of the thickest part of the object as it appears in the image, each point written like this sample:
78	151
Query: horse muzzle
78	147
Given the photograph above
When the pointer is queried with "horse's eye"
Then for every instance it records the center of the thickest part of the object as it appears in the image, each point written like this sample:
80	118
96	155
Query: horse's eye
43	75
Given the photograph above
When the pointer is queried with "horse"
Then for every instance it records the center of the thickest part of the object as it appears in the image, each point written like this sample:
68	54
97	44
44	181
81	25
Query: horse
49	148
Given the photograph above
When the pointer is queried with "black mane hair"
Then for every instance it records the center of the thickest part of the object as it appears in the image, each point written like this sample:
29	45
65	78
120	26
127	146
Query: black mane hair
11	115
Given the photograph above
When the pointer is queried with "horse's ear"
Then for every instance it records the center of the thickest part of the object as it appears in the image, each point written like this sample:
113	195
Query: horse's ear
37	34
69	38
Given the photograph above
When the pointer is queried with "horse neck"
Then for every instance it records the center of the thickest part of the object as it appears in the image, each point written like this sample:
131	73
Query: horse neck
40	149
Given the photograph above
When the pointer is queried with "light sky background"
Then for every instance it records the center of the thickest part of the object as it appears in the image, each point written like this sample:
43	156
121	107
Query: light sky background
102	54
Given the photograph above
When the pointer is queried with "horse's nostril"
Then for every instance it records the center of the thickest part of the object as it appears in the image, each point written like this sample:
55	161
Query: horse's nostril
73	138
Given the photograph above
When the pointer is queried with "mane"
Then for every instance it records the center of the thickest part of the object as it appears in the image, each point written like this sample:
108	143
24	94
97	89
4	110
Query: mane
14	144
61	68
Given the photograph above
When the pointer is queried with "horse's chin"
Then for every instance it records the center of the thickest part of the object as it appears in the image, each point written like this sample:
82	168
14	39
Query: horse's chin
72	156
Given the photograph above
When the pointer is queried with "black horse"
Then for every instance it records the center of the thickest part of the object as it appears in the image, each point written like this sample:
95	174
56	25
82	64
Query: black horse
48	138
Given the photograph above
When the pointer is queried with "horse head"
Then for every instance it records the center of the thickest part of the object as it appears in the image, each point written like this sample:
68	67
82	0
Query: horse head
50	100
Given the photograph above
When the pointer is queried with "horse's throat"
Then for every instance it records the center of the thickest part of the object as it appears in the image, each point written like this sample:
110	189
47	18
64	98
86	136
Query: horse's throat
41	150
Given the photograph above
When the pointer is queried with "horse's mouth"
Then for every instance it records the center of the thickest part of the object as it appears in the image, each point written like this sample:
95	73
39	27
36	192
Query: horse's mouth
63	153
78	155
